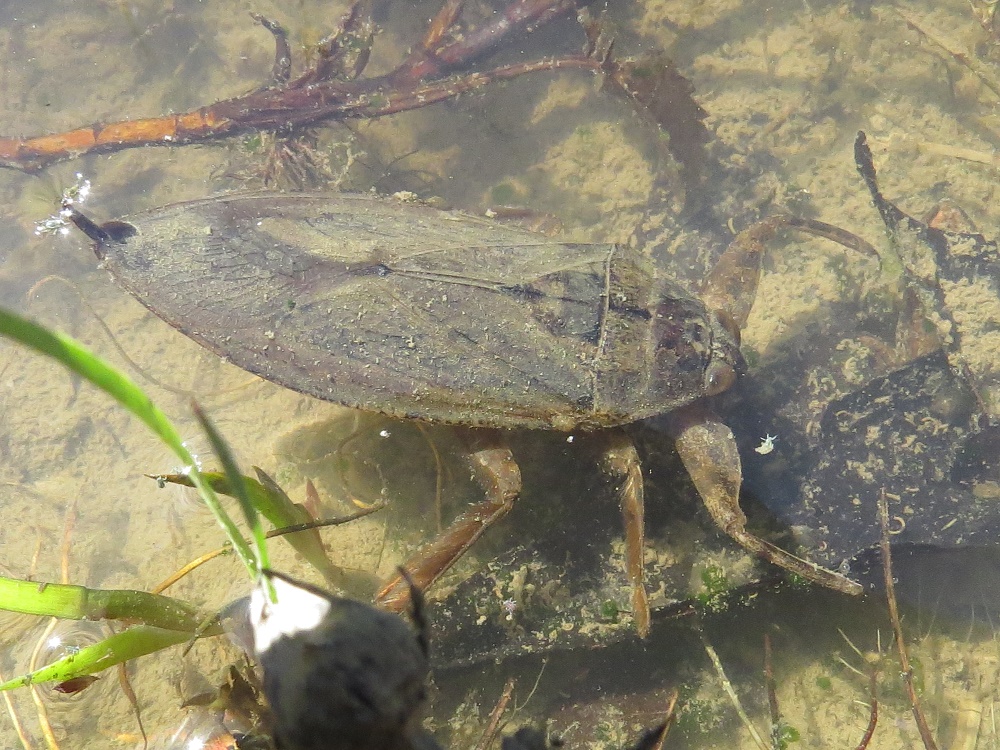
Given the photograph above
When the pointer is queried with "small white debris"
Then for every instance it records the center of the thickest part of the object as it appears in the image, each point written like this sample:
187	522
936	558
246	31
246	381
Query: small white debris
570	438
766	445
296	610
384	433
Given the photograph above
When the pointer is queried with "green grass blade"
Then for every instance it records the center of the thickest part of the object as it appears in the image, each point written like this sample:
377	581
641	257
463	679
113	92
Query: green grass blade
120	647
120	387
235	477
81	603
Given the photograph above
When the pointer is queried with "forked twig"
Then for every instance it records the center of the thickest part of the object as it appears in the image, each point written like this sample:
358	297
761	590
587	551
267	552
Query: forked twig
897	627
317	95
335	47
872	675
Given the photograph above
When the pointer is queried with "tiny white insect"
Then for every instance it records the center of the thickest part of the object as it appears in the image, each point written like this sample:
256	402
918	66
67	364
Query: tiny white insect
766	445
509	606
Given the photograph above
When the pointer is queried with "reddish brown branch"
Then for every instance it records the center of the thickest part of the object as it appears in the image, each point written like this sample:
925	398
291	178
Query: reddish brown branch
315	96
270	109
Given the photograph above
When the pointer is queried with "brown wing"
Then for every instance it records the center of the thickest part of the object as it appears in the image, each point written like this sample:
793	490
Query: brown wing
398	308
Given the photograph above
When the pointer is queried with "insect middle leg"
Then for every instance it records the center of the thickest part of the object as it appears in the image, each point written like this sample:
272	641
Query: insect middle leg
498	474
621	461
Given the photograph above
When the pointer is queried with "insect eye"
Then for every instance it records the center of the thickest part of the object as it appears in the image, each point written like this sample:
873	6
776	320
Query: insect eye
119	231
719	377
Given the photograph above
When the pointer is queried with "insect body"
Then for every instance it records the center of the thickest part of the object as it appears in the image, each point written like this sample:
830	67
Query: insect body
420	313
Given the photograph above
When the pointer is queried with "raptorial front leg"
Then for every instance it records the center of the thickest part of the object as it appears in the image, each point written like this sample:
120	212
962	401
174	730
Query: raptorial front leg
731	287
621	461
500	477
708	449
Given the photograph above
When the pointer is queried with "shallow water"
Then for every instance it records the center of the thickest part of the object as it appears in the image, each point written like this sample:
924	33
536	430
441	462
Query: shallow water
786	87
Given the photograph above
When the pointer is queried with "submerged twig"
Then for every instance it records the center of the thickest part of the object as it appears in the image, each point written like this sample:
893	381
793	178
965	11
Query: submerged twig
227	548
890	595
43	715
772	693
669	717
969	62
126	685
36	697
873	710
731	692
438	475
493	725
988	158
15	720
